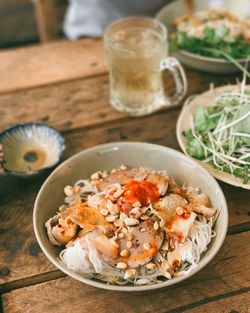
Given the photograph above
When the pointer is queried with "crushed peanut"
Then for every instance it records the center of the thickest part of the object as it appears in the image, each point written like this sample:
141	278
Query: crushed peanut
68	190
179	210
124	253
156	226
95	176
111	218
146	246
129	273
136	204
135	212
114	210
104	174
150	266
144	217
123	216
104	212
118	193
129	244
131	221
121	265
118	223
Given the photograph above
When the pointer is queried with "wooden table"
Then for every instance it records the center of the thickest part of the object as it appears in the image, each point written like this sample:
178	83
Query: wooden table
65	85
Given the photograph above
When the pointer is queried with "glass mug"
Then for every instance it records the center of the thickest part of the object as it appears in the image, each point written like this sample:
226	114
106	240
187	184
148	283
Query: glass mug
136	56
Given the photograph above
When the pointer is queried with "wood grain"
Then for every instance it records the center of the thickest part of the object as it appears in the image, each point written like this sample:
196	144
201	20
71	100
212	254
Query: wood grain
78	103
17	238
59	61
228	274
233	302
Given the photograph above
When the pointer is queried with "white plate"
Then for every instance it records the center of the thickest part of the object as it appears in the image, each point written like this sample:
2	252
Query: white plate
213	65
184	123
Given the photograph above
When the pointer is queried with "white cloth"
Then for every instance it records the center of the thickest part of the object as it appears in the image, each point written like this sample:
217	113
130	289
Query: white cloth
91	17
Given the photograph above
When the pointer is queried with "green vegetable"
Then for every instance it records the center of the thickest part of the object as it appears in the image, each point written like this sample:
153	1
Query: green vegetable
201	119
220	134
215	44
195	149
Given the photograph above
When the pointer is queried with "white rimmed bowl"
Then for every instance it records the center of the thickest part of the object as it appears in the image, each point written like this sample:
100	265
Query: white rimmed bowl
203	63
29	149
134	154
184	123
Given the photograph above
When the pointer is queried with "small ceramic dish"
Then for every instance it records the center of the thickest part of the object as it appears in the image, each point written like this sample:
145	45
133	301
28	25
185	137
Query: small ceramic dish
30	148
203	63
185	121
132	154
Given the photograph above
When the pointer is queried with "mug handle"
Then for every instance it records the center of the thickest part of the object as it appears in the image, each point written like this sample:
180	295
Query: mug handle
174	66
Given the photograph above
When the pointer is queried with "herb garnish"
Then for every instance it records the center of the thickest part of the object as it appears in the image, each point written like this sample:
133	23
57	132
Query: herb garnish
220	134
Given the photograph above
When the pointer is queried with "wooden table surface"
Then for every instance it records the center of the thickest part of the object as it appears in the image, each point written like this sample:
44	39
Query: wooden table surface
65	84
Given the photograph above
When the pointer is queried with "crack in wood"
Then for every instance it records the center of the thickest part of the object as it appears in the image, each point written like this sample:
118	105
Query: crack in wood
239	228
32	280
209	300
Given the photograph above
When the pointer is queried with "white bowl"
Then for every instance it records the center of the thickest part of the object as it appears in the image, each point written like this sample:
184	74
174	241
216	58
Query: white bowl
203	63
184	123
134	154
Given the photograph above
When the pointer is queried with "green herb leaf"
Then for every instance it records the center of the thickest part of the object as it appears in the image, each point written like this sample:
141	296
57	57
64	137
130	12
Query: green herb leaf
195	149
200	118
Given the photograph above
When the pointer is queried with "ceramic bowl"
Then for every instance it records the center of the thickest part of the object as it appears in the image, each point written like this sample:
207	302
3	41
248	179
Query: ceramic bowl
185	121
203	63
134	154
30	148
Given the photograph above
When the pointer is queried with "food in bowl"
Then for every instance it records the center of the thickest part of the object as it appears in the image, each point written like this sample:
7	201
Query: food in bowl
132	225
214	33
220	133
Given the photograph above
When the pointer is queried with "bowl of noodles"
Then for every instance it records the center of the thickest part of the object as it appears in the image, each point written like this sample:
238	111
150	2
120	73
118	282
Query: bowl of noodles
130	216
